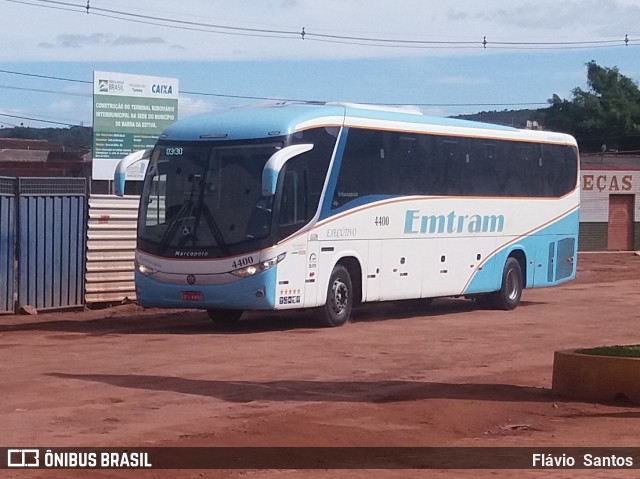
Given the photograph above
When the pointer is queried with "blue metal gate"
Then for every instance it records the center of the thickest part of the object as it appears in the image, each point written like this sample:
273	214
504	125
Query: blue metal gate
51	242
7	243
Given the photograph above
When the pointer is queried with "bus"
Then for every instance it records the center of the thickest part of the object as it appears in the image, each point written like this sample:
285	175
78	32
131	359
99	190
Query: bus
326	206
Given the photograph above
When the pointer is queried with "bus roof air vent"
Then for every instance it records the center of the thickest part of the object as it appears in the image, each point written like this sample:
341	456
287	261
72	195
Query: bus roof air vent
214	136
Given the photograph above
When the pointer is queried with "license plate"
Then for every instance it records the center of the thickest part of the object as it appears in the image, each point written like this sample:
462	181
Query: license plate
192	296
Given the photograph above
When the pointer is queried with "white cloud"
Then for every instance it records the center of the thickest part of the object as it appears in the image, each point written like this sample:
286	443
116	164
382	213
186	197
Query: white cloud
99	40
190	106
96	37
73	111
577	20
433	111
462	80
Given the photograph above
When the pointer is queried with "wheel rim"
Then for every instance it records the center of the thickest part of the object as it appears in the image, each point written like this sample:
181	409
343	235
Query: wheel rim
512	284
340	297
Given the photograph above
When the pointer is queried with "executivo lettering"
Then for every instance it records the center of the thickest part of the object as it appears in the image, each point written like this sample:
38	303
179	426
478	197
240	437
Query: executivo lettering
417	223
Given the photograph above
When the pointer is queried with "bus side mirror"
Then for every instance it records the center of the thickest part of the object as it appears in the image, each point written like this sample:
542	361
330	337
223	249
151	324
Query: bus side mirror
276	162
119	179
120	175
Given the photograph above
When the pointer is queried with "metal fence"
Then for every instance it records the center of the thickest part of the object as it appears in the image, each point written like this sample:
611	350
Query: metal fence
111	247
51	242
7	243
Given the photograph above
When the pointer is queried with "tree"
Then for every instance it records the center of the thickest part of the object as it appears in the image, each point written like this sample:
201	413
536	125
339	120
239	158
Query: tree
607	113
74	136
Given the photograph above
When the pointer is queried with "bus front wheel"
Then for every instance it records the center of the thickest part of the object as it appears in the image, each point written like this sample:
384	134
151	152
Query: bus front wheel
337	308
225	317
508	297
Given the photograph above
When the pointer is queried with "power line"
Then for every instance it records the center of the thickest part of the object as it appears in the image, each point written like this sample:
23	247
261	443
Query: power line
321	37
245	97
168	22
39	90
467	104
253	97
19	117
46	77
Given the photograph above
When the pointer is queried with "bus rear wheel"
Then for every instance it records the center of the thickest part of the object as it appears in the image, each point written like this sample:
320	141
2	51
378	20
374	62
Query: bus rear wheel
508	296
225	317
339	303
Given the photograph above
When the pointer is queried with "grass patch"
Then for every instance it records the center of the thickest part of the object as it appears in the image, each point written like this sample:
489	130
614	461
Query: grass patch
630	351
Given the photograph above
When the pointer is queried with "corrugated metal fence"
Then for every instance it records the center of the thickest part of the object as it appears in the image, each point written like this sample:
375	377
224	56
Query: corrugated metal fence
7	243
51	242
110	248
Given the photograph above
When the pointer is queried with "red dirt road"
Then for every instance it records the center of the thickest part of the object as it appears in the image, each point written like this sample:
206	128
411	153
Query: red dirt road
454	375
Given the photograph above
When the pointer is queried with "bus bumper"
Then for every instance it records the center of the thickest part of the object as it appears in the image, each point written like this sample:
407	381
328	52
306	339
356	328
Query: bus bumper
253	293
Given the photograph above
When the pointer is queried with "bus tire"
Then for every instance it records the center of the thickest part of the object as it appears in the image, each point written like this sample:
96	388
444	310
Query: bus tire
508	296
225	317
339	303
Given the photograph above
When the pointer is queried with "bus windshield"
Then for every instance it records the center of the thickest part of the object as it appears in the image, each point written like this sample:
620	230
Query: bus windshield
201	200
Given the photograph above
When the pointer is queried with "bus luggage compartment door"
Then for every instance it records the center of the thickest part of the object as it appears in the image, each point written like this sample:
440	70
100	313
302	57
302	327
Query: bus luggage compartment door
401	271
373	282
565	263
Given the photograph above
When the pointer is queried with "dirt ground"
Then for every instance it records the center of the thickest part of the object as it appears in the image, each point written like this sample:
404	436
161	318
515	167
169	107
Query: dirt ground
453	375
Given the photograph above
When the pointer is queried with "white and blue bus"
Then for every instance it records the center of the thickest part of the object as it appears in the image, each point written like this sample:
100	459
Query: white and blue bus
327	206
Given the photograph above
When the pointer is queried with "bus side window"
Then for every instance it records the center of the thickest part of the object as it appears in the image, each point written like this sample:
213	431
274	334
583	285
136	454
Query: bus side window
516	180
407	173
559	166
363	171
481	169
460	161
450	153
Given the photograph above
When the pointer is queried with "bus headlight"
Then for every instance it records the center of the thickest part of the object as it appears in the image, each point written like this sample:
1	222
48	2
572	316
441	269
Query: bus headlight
143	269
258	268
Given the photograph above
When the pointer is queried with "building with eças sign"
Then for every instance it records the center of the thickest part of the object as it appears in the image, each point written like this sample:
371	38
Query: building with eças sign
610	202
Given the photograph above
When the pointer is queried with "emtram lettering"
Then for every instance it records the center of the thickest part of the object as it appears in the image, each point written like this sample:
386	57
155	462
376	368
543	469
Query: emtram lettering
416	223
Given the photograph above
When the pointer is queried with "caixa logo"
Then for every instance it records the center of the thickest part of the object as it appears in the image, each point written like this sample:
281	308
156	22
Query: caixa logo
23	458
162	89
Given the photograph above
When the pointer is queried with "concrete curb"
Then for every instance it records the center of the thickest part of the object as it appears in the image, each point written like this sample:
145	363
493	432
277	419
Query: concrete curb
599	378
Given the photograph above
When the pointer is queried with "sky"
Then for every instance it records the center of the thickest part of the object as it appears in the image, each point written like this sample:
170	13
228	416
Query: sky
424	53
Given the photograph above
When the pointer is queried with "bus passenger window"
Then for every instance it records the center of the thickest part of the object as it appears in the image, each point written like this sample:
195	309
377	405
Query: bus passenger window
363	171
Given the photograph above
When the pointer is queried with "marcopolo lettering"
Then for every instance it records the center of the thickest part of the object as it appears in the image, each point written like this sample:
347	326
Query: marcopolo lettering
417	223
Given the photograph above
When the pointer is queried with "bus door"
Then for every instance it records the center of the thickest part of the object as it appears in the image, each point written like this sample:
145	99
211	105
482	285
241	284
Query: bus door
293	215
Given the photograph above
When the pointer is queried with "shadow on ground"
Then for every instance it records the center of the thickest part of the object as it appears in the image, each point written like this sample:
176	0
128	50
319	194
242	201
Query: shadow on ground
197	322
321	391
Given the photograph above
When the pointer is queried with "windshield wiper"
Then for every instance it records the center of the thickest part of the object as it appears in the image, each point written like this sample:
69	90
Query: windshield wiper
170	232
203	208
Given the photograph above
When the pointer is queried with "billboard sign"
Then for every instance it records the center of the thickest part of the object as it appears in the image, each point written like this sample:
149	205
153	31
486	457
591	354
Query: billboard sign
129	113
